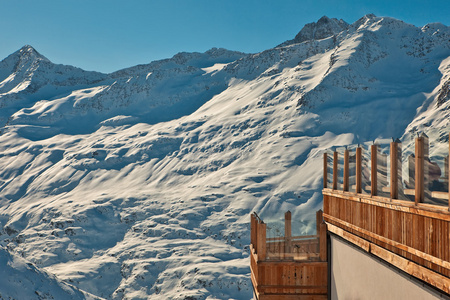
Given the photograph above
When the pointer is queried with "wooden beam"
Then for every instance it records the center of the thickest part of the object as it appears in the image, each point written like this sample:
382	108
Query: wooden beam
394	170
439	281
419	175
325	170
418	253
363	244
423	209
346	170
335	170
358	188
373	170
287	232
447	173
270	296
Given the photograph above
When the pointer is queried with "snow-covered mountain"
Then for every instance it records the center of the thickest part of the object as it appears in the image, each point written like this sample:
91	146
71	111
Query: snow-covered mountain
140	183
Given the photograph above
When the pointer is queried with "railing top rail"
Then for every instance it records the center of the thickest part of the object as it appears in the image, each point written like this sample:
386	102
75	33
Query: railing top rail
410	174
294	238
257	217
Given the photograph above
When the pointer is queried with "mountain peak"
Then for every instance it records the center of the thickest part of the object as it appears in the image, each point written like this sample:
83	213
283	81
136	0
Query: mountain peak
25	55
323	28
28	51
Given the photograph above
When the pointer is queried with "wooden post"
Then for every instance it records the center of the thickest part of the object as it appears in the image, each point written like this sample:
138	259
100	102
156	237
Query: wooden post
448	167
426	166
261	240
323	242
411	171
254	230
287	232
394	170
358	170
419	176
373	170
325	170
346	170
335	170
319	220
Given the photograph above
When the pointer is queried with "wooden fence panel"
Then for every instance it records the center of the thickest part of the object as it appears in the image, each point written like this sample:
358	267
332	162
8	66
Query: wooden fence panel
420	233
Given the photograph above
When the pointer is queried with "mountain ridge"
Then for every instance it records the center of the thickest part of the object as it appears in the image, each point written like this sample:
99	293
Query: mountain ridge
141	184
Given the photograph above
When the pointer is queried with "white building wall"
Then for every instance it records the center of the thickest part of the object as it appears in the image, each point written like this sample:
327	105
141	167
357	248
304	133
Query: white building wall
357	275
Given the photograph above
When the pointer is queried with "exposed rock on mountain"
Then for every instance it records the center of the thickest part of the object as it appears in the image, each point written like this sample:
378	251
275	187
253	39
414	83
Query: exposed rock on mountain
140	183
319	30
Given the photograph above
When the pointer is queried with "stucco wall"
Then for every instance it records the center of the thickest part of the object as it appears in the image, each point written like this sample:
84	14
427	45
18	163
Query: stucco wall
358	275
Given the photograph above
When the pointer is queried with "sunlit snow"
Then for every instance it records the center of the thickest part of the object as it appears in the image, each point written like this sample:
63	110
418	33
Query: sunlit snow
140	183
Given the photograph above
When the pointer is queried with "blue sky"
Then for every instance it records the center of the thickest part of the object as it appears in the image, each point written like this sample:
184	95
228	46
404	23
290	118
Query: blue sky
106	35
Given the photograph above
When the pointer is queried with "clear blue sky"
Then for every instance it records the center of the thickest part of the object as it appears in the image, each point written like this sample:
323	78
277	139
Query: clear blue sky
106	35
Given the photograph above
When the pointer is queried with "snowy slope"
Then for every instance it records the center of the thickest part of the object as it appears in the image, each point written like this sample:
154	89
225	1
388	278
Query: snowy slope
26	77
160	91
22	280
140	183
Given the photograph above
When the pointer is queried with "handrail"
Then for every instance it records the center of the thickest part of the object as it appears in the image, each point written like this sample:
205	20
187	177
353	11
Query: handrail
300	237
420	170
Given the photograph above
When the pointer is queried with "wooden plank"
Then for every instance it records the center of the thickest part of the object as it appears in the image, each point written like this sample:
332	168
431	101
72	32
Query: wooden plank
439	281
261	241
446	168
293	297
394	170
373	170
410	192
287	232
319	220
323	242
419	167
363	244
253	226
402	246
439	195
358	171
325	170
294	238
287	286
425	209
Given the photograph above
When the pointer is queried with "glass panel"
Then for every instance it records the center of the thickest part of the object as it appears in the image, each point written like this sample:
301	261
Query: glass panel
340	152
406	192
383	169
365	166
436	174
352	168
330	169
298	247
275	238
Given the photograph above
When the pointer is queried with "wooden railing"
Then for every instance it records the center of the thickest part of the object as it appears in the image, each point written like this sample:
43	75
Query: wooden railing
421	171
411	235
288	266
